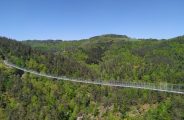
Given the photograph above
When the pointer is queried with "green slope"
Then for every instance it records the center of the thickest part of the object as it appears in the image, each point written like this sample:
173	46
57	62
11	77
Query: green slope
110	57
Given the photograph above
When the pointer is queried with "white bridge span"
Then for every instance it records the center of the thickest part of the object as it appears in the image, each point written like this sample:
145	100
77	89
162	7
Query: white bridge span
164	87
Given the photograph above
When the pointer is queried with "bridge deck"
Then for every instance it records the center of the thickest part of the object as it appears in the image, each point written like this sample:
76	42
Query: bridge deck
172	88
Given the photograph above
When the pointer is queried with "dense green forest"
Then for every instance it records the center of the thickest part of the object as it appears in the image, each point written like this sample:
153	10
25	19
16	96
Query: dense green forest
106	57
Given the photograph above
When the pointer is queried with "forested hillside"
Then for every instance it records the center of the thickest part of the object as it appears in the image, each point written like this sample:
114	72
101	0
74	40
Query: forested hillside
107	57
113	57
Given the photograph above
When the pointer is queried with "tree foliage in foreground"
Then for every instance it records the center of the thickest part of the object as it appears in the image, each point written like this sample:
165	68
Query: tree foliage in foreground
25	96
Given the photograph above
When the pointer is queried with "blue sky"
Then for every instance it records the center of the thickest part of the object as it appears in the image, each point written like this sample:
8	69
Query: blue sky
77	19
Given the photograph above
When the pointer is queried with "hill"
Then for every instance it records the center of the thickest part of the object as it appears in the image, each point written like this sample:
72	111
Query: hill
106	57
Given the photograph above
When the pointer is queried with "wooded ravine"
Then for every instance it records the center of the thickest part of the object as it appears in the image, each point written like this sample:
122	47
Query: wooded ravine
107	57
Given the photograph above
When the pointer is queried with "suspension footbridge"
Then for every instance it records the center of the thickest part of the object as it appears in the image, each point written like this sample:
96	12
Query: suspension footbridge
161	87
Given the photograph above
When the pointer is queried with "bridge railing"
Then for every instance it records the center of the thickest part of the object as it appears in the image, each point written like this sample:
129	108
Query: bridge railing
152	86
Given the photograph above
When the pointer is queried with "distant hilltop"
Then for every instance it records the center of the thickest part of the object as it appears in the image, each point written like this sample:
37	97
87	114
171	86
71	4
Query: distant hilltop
111	36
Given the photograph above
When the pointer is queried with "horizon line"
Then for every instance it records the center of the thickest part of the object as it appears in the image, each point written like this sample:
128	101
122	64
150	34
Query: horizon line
55	39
